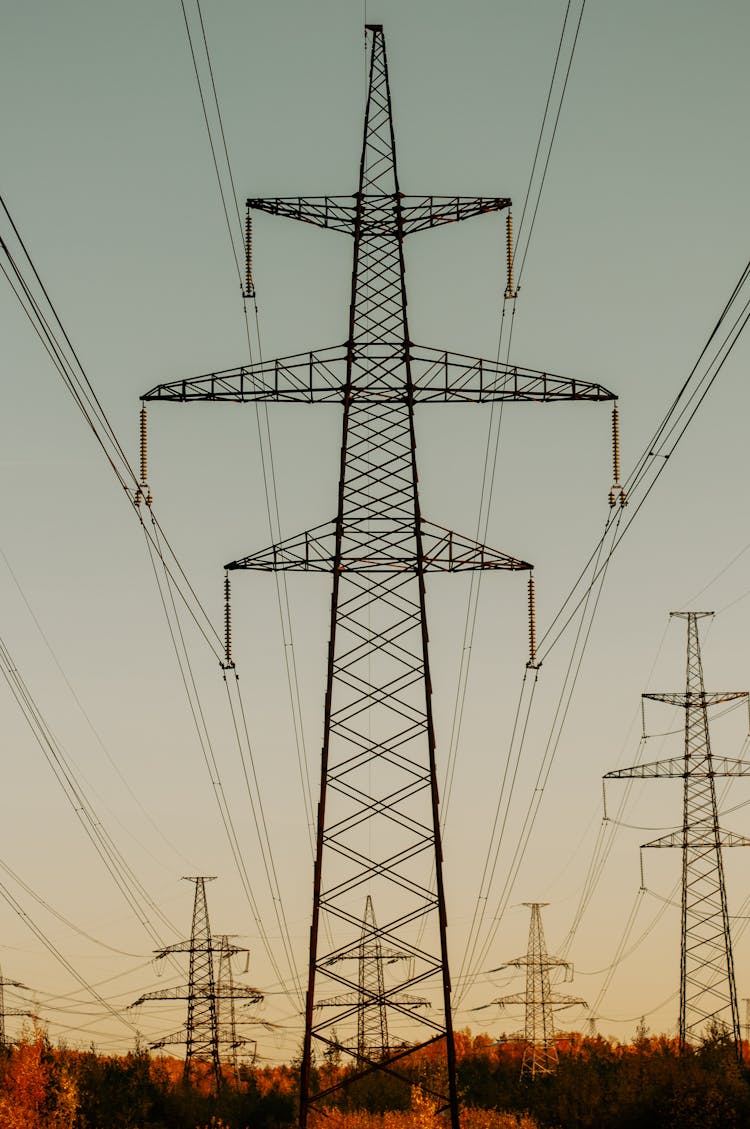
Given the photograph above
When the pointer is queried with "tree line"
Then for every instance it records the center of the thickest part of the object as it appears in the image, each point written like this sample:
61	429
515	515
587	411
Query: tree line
599	1083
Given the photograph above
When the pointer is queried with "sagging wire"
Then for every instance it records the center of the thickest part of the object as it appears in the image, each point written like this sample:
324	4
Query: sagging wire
496	411
268	472
545	767
169	606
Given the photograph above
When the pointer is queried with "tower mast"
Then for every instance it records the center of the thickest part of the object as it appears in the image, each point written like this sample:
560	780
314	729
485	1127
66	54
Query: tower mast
378	828
202	1034
539	1001
707	982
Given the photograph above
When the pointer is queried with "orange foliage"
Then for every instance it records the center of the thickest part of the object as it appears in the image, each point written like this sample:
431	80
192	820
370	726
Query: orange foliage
37	1091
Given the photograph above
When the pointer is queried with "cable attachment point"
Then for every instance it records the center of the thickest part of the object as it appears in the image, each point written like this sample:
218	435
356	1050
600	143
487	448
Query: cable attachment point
228	663
249	291
617	495
510	290
532	664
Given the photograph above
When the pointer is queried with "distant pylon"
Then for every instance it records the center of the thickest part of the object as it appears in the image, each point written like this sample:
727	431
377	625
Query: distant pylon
6	1011
370	1000
230	1042
707	983
540	1049
201	1033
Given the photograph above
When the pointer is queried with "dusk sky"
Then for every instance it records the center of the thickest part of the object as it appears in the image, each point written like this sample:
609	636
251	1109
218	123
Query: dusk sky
637	245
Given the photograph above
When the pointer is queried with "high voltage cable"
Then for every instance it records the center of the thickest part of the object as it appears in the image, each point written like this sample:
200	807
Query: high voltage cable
206	745
52	948
274	523
496	416
157	545
670	431
479	952
265	444
86	716
661	447
554	131
129	885
61	917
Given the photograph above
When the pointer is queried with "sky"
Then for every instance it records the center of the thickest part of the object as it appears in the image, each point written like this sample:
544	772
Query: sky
636	246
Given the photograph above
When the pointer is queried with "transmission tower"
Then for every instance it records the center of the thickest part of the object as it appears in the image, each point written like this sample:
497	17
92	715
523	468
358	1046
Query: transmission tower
6	1011
201	1034
371	1002
540	1049
707	983
230	1042
378	810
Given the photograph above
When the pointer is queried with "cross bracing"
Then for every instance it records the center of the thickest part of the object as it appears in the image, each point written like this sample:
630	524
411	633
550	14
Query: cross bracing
378	831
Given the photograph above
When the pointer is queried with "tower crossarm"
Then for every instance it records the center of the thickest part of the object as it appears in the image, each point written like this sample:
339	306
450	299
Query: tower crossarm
175	1038
179	993
412	213
441	376
698	838
520	999
697	699
675	767
373	550
536	961
319	376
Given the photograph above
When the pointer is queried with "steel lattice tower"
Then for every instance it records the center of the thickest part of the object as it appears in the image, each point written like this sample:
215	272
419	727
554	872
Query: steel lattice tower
201	1034
707	983
378	825
540	1003
371	1002
226	996
6	1011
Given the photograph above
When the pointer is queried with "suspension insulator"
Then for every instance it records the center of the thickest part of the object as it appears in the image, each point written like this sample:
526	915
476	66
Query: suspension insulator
510	289
144	447
149	498
612	498
228	664
249	288
623	499
138	498
532	623
616	443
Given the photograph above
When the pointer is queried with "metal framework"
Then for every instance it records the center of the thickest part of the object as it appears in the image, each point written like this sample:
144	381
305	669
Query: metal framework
378	829
6	1011
206	999
707	982
231	1043
371	1002
540	1003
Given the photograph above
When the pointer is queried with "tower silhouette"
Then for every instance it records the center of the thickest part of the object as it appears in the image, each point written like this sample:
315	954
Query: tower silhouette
201	1034
371	1001
230	1041
540	1003
6	1011
707	982
378	809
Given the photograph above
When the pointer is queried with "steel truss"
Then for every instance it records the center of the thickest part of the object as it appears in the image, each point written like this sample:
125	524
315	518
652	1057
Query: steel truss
378	830
707	982
539	1002
208	1002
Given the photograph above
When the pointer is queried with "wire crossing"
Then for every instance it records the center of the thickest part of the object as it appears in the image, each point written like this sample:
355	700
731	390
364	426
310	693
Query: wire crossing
378	814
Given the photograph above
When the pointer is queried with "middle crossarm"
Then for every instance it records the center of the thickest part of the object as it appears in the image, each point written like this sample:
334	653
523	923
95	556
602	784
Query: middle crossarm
417	213
320	377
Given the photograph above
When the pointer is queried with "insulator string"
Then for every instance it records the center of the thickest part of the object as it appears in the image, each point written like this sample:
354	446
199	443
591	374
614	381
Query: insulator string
228	663
532	663
510	289
249	287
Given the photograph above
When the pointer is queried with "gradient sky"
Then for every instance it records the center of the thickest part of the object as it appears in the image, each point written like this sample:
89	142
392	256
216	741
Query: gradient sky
637	244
